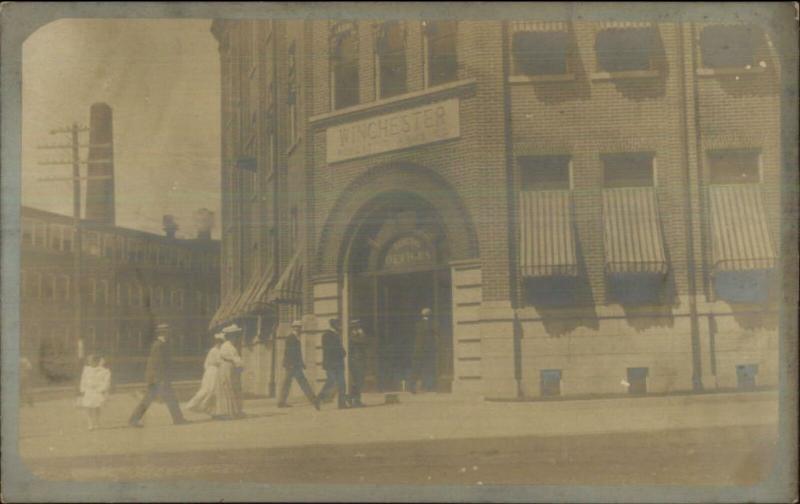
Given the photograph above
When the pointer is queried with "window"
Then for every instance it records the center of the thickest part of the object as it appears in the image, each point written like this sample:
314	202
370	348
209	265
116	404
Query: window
62	288
727	46
35	287
344	65
734	166
545	172
48	286
92	245
292	94
391	56
540	52
440	42
92	290
108	246
746	376
628	170
66	238
139	295
92	337
40	234
637	380
550	384
625	49
173	298
159	296
179	299
27	231
199	299
118	297
55	236
104	293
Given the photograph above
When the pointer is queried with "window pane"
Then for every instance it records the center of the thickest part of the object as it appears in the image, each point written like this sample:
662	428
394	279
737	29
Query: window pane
345	71
628	170
727	46
392	59
442	61
734	167
540	53
544	172
626	49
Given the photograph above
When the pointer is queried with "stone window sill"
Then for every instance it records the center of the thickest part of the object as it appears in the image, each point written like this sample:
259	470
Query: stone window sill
628	74
729	71
521	79
378	106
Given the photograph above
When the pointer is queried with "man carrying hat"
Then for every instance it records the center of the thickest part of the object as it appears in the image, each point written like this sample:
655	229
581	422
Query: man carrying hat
358	362
159	383
294	366
333	354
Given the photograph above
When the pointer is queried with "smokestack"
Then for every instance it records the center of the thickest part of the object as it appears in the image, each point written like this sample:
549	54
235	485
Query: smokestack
100	192
204	222
170	227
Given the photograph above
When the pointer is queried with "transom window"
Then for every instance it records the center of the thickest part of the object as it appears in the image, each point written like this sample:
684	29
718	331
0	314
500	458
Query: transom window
726	46
391	55
545	172
625	49
442	61
734	166
344	65
628	170
539	52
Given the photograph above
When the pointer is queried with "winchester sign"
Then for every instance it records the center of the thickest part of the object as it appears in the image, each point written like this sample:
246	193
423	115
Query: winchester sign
389	132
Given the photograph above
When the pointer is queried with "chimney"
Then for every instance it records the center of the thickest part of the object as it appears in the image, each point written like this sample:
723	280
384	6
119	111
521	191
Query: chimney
100	192
170	226
204	221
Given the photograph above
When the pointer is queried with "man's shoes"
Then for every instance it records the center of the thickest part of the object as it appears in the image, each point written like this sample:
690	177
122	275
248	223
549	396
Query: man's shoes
284	405
315	403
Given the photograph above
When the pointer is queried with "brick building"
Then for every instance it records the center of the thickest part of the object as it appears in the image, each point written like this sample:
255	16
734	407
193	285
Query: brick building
132	280
589	207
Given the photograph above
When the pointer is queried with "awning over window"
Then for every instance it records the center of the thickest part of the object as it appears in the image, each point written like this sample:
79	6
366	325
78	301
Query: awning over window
740	237
632	231
539	26
257	300
221	315
547	238
289	287
250	301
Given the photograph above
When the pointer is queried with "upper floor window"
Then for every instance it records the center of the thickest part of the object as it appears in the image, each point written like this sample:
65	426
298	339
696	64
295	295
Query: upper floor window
66	239
630	169
540	48
344	65
724	46
27	231
545	173
391	59
40	234
55	237
735	166
292	95
625	49
440	51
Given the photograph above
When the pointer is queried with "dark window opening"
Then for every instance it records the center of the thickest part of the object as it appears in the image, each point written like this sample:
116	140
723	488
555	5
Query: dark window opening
620	50
734	166
551	291
727	46
746	376
540	53
345	69
637	380
743	286
544	172
391	60
442	59
550	385
628	170
633	289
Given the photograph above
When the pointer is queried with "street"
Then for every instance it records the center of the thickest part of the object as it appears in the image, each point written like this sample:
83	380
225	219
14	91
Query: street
724	439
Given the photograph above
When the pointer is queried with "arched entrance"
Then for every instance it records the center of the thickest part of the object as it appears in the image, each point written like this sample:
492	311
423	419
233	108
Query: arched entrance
396	265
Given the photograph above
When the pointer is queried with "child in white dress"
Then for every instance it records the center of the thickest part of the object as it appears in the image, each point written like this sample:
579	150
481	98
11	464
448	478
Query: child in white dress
95	385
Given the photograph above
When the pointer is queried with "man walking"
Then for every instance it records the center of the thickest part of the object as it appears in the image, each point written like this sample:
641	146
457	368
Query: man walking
157	376
294	366
425	352
333	354
358	362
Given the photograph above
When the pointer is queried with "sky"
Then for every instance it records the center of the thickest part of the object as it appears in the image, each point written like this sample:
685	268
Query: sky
161	79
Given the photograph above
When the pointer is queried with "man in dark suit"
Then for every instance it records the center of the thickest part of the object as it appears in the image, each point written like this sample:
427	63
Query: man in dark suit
157	376
333	354
294	366
426	346
358	362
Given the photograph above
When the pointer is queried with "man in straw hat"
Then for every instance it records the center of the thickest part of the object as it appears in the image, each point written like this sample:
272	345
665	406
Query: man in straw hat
159	383
294	366
333	354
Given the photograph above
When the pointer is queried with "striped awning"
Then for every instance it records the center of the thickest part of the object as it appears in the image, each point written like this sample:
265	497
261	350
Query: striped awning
740	236
221	315
547	237
632	231
289	287
257	301
539	26
624	25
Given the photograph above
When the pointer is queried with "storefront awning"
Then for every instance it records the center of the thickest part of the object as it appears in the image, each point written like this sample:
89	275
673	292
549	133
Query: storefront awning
740	236
257	299
221	315
625	25
547	238
289	287
539	26
632	231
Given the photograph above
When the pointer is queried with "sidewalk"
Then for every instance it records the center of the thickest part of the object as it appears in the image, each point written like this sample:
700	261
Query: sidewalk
57	429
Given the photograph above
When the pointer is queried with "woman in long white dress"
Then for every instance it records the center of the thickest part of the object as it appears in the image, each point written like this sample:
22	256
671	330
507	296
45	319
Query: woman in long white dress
202	402
228	401
95	386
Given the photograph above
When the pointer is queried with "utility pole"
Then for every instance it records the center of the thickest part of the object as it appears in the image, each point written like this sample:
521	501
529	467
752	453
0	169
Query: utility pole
77	262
